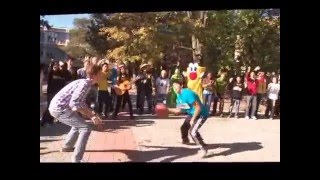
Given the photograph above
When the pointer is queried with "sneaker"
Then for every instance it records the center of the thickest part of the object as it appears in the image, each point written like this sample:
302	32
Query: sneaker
63	149
186	142
236	117
253	117
247	117
271	118
77	161
204	153
104	116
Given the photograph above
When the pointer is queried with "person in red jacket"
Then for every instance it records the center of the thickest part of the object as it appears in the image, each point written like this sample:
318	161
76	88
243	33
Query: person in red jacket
252	88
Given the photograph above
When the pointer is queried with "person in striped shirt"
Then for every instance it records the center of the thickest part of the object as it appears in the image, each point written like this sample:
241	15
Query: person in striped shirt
66	106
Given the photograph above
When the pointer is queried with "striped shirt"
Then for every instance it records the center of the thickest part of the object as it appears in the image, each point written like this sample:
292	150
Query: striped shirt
72	96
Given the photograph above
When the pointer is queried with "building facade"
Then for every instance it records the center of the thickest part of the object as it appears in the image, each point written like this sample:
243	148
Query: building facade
51	41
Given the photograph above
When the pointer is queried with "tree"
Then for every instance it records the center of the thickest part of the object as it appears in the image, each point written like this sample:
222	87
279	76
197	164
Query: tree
78	47
44	23
94	38
182	35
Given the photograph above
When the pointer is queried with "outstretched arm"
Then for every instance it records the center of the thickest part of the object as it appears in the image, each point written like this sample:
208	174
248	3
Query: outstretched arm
174	110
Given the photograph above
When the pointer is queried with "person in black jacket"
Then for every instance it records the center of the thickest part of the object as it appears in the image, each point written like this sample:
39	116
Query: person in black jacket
236	95
72	69
55	83
146	86
64	71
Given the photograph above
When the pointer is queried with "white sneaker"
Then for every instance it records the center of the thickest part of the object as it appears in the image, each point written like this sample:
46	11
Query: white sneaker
81	161
253	117
247	117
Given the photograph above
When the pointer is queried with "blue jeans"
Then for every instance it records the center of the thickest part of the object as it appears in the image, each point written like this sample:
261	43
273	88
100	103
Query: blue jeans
251	105
161	97
79	133
235	105
207	100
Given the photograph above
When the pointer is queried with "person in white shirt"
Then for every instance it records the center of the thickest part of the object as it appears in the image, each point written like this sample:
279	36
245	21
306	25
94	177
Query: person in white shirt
273	93
162	86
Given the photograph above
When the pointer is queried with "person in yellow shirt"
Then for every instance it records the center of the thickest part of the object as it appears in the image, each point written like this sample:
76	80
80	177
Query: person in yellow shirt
103	93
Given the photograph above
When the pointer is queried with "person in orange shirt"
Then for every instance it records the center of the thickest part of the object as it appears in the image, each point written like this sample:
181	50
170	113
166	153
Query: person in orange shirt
262	89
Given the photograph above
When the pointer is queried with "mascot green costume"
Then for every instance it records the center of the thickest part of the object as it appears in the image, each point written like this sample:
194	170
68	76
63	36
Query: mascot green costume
172	96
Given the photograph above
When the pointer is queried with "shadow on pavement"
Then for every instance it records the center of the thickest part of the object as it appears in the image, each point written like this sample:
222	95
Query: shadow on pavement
161	118
180	152
58	129
113	126
48	140
48	152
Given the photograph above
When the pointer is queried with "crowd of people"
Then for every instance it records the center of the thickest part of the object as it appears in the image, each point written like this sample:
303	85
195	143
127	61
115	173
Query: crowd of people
255	86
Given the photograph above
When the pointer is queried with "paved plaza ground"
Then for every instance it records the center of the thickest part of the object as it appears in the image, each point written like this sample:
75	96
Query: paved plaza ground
150	139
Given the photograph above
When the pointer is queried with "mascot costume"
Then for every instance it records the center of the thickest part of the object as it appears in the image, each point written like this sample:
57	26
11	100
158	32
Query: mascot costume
172	96
194	76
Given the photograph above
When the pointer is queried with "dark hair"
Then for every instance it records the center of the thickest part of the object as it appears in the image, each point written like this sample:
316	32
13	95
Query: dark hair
177	81
64	66
235	79
50	68
277	79
102	64
93	70
212	75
